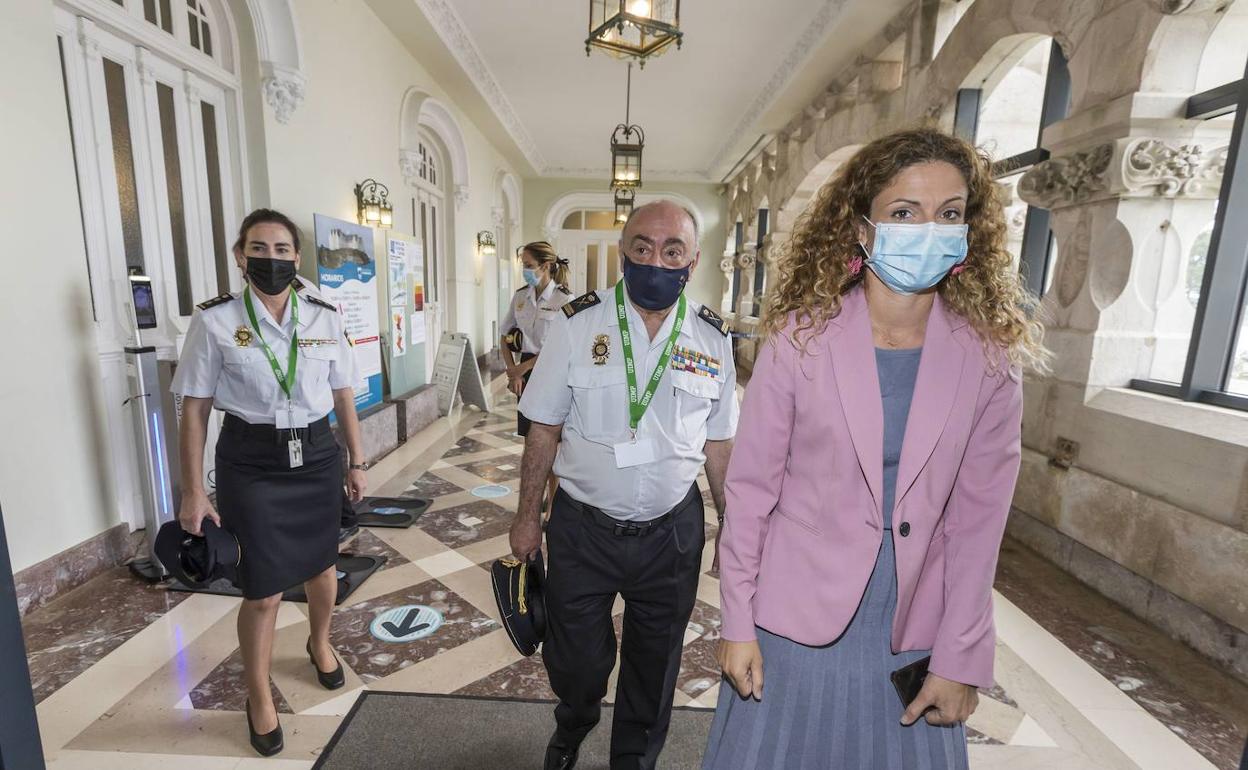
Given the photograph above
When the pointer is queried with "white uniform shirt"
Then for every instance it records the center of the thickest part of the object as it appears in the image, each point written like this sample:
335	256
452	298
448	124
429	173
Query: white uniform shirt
223	360
532	314
695	401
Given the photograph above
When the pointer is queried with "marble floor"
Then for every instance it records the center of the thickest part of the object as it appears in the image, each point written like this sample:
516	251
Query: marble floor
131	676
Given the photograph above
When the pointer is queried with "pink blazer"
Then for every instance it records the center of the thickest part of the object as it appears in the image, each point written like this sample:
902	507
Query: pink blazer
803	523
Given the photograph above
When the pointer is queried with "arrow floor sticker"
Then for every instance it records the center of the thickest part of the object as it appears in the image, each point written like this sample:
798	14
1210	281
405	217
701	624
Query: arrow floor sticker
405	624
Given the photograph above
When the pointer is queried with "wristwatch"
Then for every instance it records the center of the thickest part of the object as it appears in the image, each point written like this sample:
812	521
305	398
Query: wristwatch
358	466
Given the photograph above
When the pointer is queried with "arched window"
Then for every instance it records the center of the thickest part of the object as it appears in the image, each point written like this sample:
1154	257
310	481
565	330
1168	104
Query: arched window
1021	89
1201	331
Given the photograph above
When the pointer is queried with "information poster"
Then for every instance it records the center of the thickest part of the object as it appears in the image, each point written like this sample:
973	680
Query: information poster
398	272
417	326
347	272
398	336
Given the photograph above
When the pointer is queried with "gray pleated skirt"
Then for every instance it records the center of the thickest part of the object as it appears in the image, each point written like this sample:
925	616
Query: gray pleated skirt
833	707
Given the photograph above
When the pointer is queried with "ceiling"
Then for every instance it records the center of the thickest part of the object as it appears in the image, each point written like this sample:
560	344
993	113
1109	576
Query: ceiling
744	68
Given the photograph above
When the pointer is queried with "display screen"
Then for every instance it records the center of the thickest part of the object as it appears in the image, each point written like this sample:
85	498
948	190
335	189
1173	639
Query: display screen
144	303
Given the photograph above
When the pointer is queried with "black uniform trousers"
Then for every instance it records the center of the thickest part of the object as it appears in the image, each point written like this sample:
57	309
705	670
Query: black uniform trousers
591	559
522	422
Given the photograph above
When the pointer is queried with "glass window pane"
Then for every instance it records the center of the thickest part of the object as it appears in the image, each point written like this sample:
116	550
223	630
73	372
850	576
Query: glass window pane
193	23
424	248
591	267
173	186
166	16
60	47
1009	117
220	248
1237	375
435	252
123	162
207	30
1015	215
613	264
1192	225
600	220
573	221
149	11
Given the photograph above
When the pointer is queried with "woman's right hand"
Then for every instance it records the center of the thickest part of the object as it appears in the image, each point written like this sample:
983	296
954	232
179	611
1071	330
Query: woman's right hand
192	511
742	663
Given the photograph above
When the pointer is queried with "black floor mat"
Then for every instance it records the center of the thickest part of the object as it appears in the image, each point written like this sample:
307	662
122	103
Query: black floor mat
353	571
395	512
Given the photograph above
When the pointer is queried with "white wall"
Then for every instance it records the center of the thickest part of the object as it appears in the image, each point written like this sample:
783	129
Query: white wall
347	130
53	489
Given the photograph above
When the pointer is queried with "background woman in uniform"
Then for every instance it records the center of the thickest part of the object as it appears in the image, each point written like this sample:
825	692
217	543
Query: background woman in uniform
532	309
883	423
276	361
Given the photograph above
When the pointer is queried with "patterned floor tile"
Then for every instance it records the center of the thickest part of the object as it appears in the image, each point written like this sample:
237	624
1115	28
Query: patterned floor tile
468	523
430	485
466	446
373	659
368	544
223	689
490	471
72	632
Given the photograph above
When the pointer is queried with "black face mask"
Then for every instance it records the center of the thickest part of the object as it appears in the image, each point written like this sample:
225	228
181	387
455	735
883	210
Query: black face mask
653	287
270	276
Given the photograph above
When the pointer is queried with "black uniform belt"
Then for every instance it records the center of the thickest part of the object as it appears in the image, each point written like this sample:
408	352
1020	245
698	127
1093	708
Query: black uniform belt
628	528
259	431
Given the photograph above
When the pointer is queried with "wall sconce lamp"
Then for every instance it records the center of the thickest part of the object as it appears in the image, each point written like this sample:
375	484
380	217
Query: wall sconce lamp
372	201
485	244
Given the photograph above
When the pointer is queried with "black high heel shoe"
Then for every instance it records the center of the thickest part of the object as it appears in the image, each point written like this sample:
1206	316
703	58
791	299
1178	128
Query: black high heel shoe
334	679
268	744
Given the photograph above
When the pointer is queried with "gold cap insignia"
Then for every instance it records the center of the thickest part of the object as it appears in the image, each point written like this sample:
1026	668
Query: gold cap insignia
601	349
242	336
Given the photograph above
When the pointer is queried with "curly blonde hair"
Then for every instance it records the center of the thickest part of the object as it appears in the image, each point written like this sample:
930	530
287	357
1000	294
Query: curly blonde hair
814	265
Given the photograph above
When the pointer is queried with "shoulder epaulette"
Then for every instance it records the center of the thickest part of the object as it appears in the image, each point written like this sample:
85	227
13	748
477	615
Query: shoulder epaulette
315	300
522	288
218	300
583	302
713	318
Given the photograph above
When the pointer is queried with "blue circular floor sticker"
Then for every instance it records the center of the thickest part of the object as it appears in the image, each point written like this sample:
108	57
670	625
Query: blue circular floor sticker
406	624
492	490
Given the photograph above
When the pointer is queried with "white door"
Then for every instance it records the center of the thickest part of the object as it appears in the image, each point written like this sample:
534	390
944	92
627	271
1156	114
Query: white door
154	159
428	223
594	257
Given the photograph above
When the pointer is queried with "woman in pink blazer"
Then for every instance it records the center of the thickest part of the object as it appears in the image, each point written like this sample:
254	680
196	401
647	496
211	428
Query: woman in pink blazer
876	460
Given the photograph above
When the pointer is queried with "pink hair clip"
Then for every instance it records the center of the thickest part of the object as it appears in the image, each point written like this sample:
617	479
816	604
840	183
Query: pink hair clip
957	269
855	265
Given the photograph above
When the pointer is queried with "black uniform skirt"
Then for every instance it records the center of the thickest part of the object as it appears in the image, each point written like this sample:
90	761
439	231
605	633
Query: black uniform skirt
522	422
285	519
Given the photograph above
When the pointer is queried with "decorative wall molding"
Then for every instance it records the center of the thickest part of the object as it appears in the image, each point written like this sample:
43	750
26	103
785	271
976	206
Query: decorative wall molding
747	260
283	90
1067	180
281	56
461	196
454	35
727	265
651	175
418	110
561	207
1174	7
1173	170
798	53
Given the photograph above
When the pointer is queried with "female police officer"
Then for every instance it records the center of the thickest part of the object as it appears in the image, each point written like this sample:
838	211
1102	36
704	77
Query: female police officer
275	360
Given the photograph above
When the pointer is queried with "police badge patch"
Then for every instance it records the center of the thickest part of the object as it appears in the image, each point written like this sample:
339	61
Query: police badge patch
601	349
242	336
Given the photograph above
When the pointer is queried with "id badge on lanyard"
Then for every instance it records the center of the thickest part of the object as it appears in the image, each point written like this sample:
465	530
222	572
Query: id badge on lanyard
293	419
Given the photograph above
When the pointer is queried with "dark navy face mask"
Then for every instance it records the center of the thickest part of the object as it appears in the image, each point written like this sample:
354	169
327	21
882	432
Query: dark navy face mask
270	276
653	287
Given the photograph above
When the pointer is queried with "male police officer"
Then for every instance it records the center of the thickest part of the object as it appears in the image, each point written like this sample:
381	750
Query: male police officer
640	380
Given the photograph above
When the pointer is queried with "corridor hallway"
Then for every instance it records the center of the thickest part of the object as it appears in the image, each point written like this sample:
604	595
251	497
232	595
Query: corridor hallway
130	677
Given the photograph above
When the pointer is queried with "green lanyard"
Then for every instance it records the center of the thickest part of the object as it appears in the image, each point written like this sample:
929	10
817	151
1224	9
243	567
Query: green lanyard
286	381
637	406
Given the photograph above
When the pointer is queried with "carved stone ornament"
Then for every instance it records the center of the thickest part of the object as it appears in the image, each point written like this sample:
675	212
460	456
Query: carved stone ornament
1067	180
283	90
1186	170
409	167
461	196
726	265
746	260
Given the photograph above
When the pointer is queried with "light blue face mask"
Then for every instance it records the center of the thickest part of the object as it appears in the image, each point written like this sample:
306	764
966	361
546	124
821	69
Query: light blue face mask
531	277
910	258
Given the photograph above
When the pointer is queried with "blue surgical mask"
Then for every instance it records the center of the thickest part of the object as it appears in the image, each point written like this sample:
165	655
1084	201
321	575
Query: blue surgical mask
911	258
653	287
531	277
